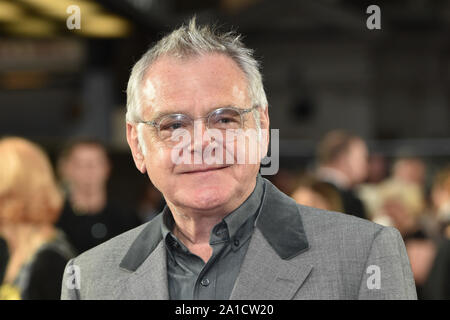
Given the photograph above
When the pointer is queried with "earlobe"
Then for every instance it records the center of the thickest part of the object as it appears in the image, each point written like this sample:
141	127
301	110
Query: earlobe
140	162
264	122
265	118
136	150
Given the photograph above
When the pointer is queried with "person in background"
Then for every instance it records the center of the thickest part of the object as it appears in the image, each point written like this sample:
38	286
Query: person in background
314	193
30	203
440	197
437	284
368	191
402	205
343	163
4	257
409	169
285	180
89	217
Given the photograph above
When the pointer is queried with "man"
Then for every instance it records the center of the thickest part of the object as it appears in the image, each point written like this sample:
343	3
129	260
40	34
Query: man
343	163
226	233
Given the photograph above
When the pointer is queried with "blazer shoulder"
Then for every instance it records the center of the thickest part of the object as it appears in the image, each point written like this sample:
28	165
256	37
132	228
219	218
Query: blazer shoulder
322	224
111	251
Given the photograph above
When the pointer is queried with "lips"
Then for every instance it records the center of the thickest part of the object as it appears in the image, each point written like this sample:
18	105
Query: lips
203	169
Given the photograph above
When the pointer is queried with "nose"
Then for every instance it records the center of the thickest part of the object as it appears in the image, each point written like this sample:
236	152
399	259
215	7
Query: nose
200	139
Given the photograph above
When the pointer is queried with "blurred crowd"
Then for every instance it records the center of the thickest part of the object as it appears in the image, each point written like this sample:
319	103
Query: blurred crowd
347	178
50	214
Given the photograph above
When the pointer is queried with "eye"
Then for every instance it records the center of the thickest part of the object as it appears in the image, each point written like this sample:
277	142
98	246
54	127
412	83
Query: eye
226	120
173	123
176	125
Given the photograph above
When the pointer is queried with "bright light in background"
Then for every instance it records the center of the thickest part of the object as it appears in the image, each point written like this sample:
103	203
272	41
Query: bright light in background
32	27
47	18
57	8
10	12
104	25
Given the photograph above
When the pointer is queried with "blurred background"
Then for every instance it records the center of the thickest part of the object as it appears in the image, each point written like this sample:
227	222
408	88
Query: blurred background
323	70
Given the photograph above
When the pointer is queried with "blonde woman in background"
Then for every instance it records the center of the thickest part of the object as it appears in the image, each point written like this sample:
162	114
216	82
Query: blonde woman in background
30	202
440	196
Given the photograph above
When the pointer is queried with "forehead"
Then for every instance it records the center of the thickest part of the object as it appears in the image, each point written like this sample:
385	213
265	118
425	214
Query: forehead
207	80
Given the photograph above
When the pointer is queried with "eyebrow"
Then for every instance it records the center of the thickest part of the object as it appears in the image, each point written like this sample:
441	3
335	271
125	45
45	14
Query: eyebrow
161	114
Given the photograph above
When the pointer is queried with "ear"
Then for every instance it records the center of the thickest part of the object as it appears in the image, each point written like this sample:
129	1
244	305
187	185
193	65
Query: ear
264	118
136	151
265	125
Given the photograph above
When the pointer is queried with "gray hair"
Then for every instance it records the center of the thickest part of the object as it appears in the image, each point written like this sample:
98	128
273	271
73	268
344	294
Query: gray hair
193	40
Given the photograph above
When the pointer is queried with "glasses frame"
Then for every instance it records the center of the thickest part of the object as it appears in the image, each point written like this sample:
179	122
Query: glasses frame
157	123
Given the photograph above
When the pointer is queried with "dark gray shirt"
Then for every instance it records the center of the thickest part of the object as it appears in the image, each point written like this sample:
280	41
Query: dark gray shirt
189	277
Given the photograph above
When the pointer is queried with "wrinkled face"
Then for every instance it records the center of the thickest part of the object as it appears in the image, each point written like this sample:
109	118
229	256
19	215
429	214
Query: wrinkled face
87	167
195	87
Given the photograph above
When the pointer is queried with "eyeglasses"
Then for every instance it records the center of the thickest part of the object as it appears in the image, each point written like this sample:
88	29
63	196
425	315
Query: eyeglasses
224	119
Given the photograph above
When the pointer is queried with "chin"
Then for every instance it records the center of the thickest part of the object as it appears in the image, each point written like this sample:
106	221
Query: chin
207	190
204	196
208	197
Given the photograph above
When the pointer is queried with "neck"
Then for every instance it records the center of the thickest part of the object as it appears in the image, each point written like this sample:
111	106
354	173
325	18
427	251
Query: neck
193	227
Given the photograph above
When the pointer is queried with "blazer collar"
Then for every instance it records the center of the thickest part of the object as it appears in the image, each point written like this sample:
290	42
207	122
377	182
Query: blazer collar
145	243
281	224
273	267
279	221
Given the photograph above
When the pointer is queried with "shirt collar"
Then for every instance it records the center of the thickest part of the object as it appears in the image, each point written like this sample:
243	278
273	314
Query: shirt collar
279	221
236	219
233	222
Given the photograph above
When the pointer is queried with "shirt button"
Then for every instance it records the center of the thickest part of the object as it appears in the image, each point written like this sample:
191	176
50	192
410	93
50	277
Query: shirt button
205	282
236	242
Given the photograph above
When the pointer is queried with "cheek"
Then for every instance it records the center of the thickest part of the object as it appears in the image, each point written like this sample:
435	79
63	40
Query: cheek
245	150
158	164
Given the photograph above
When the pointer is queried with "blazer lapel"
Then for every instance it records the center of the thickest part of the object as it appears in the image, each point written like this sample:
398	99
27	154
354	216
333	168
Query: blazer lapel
274	266
149	281
146	262
266	276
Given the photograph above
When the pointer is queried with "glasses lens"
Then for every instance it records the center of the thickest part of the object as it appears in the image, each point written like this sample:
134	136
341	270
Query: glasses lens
224	119
170	125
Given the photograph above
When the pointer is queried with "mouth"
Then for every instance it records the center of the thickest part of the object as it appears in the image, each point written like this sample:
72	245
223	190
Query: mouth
205	169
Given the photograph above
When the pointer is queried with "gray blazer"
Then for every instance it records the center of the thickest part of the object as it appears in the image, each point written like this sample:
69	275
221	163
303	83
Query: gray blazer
295	252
